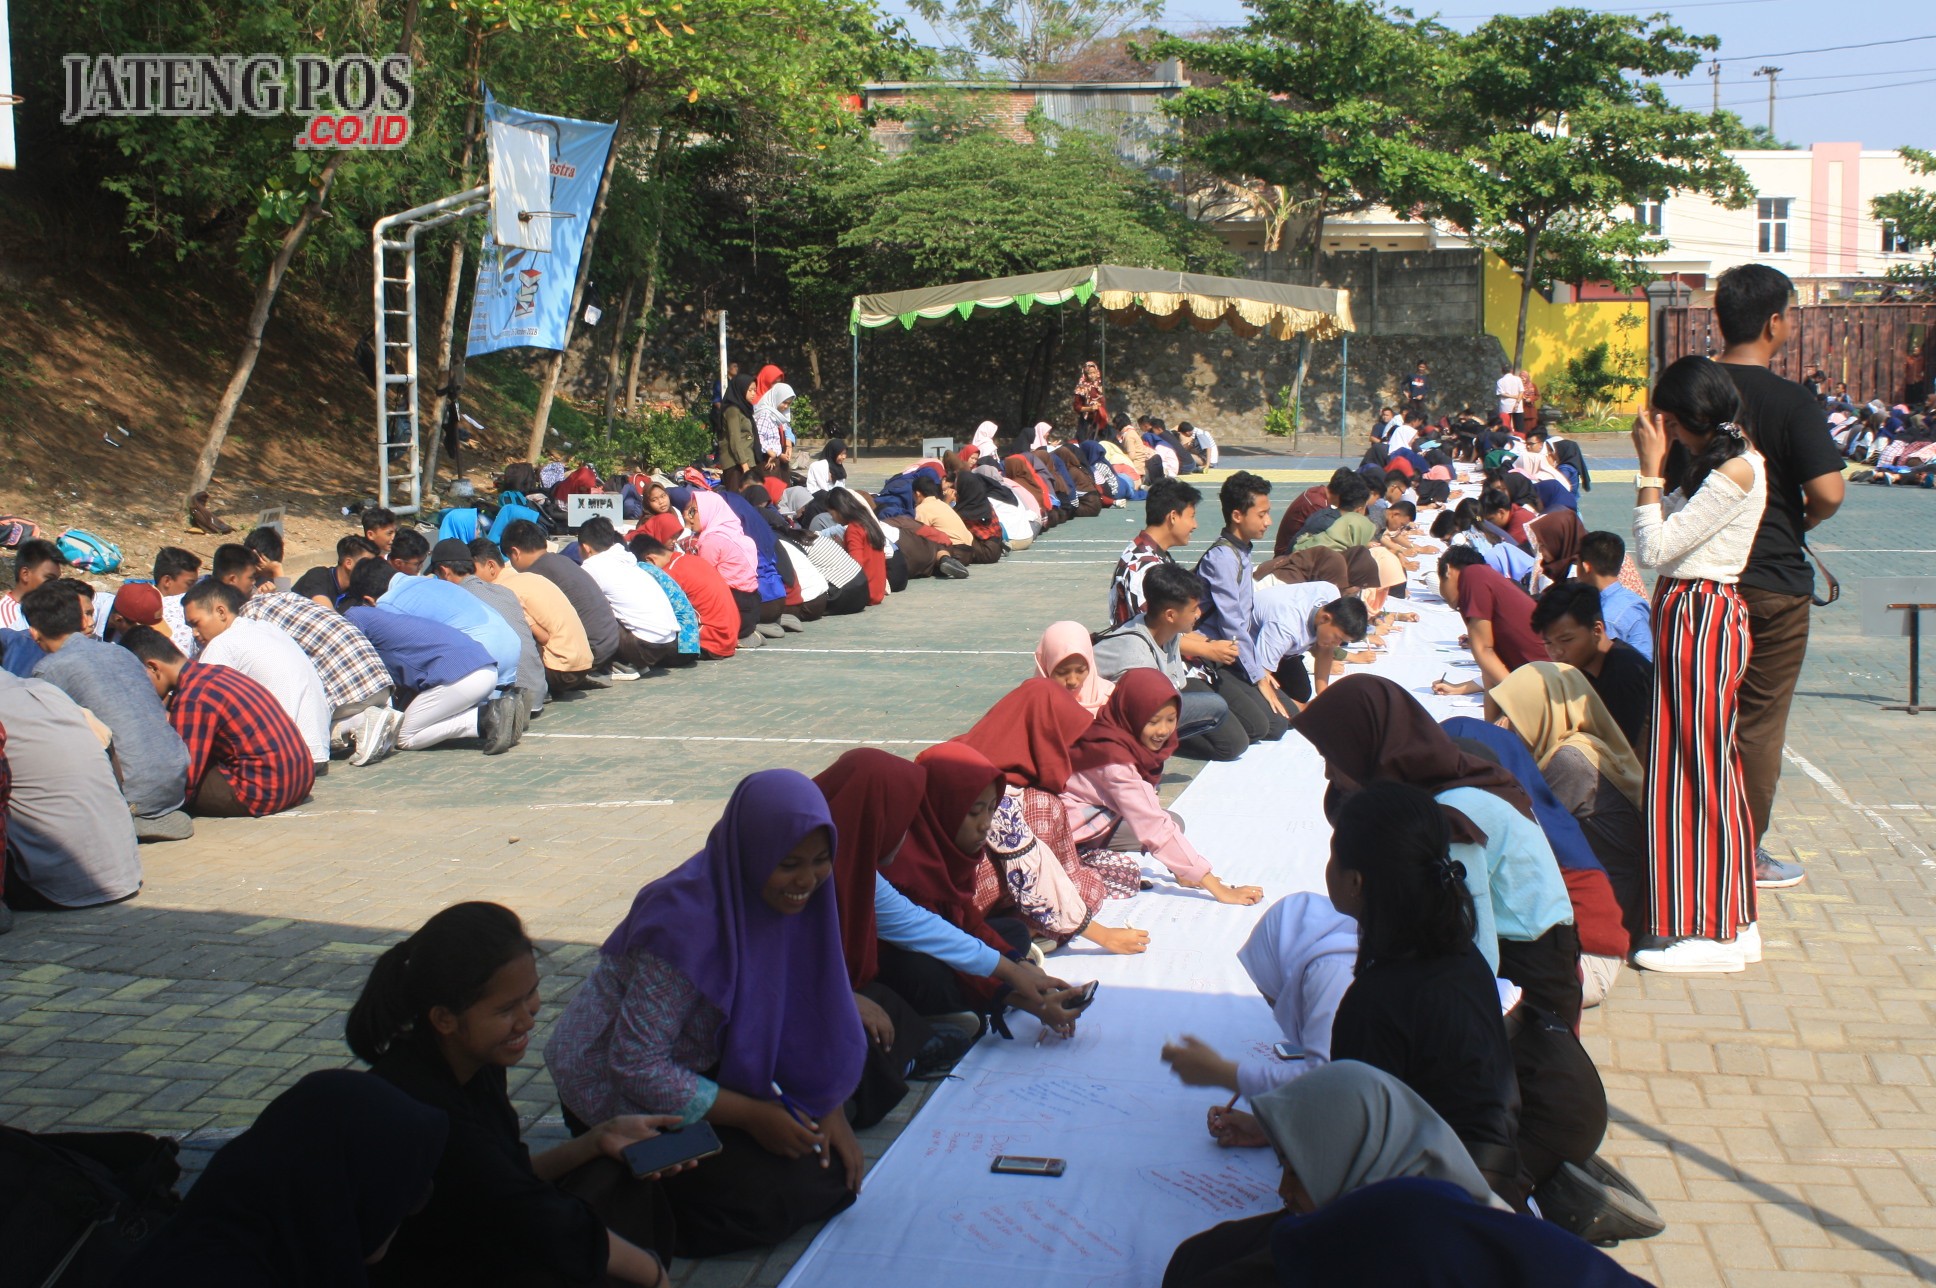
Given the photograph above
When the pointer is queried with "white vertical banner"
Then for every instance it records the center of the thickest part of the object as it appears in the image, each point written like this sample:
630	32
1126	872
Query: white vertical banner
6	93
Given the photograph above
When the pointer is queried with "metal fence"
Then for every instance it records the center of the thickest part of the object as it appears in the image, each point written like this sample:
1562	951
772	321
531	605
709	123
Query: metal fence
1885	351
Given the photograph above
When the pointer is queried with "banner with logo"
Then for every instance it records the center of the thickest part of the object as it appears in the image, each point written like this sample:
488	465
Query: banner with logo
523	297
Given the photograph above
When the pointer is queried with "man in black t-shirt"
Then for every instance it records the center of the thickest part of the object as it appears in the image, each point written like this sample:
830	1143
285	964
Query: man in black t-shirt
329	585
1790	429
1568	618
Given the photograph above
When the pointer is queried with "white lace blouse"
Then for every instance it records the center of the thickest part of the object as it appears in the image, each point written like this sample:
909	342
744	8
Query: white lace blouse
1705	537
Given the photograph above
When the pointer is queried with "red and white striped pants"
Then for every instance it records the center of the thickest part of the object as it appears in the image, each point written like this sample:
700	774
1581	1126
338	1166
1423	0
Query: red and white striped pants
1700	833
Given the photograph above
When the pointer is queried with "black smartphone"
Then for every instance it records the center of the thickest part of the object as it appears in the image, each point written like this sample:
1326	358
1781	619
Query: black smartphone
671	1148
1084	995
1022	1165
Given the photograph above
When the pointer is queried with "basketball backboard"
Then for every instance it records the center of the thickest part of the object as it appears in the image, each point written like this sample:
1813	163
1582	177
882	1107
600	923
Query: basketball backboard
520	185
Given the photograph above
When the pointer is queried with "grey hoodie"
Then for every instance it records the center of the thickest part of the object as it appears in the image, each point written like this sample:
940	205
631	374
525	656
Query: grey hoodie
1131	645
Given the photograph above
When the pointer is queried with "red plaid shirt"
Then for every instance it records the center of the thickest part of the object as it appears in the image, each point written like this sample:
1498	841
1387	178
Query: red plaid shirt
234	726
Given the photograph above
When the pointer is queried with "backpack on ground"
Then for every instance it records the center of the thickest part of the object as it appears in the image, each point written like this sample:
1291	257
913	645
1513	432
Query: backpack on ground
74	1206
16	531
88	552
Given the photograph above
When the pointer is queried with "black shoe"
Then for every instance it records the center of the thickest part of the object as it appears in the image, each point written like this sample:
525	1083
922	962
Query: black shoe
939	1054
1598	1204
951	568
497	724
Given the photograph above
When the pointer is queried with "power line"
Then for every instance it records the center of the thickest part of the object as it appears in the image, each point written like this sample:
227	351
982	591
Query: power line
1825	49
1830	93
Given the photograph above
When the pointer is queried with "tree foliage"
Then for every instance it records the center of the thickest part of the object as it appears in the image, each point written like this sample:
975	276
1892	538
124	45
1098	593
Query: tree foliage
1913	212
1031	39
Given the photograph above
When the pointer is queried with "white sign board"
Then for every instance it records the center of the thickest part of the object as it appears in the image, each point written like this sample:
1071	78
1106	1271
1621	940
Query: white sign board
271	518
6	94
588	505
1880	592
520	183
937	446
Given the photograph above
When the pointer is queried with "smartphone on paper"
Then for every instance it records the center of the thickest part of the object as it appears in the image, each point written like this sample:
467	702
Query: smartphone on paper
1022	1165
1084	995
1287	1051
671	1148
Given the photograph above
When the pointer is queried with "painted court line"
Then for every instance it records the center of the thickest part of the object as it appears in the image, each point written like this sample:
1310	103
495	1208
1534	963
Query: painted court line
1834	789
940	652
668	737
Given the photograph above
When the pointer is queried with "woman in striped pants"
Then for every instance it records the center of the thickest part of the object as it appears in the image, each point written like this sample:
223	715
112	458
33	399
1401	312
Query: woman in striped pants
1701	843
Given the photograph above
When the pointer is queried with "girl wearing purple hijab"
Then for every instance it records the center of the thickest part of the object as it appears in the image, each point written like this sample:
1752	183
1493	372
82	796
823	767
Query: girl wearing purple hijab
724	996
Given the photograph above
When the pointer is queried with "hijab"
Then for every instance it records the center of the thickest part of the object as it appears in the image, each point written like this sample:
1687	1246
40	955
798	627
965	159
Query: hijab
872	796
1349	1125
774	400
1314	563
778	980
752	522
971	498
1445	1240
1116	737
723	541
1368	729
1092	452
1041	439
930	869
328	1172
1391	569
1554	706
1294	934
737	396
769	376
1361	570
984	439
1070	462
1559	535
1555	495
1019	469
1062	641
1028	734
1570	846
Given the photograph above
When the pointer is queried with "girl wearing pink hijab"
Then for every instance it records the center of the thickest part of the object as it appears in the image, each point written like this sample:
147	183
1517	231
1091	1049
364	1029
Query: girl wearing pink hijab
984	440
1066	656
723	543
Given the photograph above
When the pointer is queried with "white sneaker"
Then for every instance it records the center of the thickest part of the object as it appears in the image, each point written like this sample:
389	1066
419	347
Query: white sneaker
376	735
1693	957
1748	939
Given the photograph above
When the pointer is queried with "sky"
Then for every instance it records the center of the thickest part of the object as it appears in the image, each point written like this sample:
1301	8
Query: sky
1878	95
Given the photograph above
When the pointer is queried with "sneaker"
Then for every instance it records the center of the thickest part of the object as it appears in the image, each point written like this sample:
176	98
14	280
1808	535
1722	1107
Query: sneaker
1748	939
752	641
1772	873
968	1023
939	1054
620	671
771	630
788	622
367	737
175	825
1591	1203
950	568
1692	957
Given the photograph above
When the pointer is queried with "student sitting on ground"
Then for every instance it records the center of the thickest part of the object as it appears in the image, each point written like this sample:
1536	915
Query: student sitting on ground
1350	527
68	836
1230	611
34	563
1300	956
445	680
408	552
149	760
450	561
563	651
175	570
1029	735
328	584
1312	618
265	655
1172	597
379	529
933	510
1117	763
862	538
236	565
246	757
711	598
649	629
312	1193
265	543
442	1017
1323	496
524	545
723	996
1066	655
1626	614
1498	509
1169	520
355	680
721	541
1345	1127
1498	619
440	601
1568	619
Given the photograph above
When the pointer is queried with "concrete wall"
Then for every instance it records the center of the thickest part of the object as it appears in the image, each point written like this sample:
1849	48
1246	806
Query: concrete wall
1556	333
1434	292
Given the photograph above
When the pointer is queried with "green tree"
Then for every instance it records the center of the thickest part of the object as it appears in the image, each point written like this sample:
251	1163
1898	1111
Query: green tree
1031	39
1913	212
1561	134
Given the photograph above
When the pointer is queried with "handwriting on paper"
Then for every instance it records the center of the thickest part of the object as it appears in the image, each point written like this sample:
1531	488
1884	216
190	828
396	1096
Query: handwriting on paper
1045	1102
1223	1192
979	1144
1050	1227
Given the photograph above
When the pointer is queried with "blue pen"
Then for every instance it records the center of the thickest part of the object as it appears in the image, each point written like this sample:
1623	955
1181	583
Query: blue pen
795	1108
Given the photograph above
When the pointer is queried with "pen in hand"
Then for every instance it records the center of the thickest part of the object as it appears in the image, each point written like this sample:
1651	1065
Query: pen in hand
795	1108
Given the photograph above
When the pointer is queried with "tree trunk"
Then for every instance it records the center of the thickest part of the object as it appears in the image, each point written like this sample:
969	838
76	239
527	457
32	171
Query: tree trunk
813	362
1313	250
1525	296
650	295
265	301
612	358
541	418
450	362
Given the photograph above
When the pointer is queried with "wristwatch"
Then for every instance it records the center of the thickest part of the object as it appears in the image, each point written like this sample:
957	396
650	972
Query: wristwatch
1649	481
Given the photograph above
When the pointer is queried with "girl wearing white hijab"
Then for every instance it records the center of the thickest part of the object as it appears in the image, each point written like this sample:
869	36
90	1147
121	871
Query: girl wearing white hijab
984	441
1300	956
1042	431
773	420
1336	1130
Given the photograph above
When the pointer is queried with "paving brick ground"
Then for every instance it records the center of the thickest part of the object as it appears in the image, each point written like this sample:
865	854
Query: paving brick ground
1780	1118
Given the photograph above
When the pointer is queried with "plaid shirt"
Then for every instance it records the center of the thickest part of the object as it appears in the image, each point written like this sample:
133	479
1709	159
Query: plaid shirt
234	726
351	668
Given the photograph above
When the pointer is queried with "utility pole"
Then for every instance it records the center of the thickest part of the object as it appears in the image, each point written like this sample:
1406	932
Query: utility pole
1770	73
1714	79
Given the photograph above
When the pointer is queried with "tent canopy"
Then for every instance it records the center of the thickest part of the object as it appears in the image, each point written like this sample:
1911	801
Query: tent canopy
1165	298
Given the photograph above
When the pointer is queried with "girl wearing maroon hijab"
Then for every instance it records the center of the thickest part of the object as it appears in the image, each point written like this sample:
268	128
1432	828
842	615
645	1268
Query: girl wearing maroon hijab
1028	736
1117	764
936	869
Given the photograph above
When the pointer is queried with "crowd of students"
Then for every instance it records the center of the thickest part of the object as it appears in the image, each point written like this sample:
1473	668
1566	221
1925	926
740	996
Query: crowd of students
841	936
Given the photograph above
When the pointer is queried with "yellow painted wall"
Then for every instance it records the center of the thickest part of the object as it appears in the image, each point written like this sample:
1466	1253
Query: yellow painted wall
1557	332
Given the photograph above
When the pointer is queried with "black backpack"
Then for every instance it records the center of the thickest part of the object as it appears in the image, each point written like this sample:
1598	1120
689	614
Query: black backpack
74	1206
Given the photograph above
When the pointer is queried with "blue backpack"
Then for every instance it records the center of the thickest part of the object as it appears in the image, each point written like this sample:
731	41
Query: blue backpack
88	552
